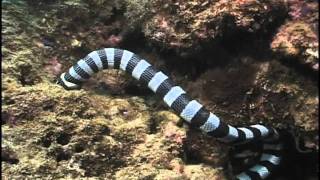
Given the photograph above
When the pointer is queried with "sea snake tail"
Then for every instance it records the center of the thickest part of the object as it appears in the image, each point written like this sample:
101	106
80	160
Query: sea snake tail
269	160
175	97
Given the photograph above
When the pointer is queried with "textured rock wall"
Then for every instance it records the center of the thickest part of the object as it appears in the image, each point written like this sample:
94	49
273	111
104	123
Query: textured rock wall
247	61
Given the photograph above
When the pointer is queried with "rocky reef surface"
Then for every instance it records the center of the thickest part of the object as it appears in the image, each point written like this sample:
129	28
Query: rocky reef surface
247	61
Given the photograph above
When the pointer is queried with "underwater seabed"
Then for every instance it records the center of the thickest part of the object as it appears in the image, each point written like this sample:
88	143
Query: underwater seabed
249	62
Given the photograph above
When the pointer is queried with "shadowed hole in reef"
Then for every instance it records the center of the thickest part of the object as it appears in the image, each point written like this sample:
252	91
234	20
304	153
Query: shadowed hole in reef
10	160
303	69
46	142
8	100
27	78
4	117
153	126
47	139
62	156
63	138
189	156
49	106
297	164
78	148
104	130
136	89
9	156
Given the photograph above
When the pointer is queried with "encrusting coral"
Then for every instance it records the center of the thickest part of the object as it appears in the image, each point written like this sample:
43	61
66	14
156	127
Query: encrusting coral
114	128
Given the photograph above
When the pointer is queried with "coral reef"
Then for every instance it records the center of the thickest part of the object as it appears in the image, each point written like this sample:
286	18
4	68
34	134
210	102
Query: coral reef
297	40
114	128
111	136
189	26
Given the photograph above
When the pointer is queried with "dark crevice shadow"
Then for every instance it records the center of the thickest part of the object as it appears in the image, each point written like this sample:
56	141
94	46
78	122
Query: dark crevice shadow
295	164
303	69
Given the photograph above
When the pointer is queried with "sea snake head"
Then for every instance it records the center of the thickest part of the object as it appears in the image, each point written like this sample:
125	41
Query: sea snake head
67	84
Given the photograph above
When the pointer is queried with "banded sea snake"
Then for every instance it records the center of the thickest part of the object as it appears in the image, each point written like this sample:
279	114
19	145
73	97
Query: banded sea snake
177	99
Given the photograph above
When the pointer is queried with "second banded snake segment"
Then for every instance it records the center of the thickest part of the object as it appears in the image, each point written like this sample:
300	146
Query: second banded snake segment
177	99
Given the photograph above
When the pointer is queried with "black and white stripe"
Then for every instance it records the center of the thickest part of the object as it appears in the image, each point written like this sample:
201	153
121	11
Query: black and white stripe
175	97
269	160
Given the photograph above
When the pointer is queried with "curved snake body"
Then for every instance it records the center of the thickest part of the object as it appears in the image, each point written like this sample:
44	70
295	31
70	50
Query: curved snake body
176	98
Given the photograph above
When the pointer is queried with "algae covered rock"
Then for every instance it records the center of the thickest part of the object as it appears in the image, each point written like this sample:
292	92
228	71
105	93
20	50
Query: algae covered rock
67	134
89	146
298	40
188	26
266	92
114	127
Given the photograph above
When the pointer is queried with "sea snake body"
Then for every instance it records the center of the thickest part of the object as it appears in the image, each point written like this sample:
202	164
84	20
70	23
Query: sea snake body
176	98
